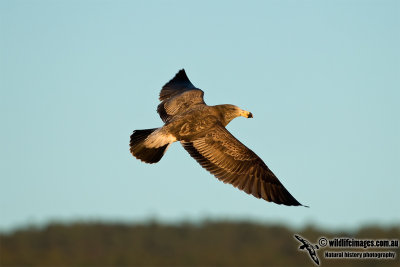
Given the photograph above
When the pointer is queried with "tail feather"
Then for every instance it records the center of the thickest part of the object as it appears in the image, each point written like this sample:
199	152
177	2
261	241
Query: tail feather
143	153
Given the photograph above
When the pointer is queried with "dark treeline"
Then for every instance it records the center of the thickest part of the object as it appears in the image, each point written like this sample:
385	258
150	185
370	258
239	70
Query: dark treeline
150	244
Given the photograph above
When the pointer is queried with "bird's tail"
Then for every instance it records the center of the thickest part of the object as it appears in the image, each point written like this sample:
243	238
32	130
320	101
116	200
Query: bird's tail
147	145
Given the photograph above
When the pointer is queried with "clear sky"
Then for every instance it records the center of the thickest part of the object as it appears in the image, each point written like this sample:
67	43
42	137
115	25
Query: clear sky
322	79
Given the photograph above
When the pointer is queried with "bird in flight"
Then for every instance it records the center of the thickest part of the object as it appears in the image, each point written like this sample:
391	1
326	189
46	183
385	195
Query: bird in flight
201	131
309	247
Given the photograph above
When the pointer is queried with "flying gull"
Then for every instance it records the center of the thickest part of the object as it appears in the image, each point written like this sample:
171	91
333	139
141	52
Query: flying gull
201	130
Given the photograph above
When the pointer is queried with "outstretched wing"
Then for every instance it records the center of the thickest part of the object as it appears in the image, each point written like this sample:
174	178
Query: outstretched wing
302	240
177	96
219	152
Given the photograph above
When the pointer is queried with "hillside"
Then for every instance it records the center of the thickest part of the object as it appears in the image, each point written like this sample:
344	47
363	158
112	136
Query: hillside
154	244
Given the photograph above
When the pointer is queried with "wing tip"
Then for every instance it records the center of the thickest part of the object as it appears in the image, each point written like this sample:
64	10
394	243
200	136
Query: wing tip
178	82
179	78
296	204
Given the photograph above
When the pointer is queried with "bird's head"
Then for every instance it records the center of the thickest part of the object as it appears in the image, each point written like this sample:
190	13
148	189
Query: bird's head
231	111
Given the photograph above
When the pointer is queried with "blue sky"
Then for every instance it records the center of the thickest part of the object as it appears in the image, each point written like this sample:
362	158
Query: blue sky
322	79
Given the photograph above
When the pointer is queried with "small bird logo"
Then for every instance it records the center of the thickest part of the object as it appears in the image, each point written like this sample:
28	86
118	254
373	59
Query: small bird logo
306	245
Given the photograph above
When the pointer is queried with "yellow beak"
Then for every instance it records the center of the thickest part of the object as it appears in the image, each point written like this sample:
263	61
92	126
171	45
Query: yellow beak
246	114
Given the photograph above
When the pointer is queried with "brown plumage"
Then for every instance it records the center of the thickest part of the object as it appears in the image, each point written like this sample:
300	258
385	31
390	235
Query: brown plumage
201	130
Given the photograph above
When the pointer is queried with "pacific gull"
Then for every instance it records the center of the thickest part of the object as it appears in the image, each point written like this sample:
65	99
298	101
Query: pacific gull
201	130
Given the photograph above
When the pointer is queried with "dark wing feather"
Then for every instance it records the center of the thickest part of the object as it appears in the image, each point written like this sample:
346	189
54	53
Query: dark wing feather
176	85
219	152
177	96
